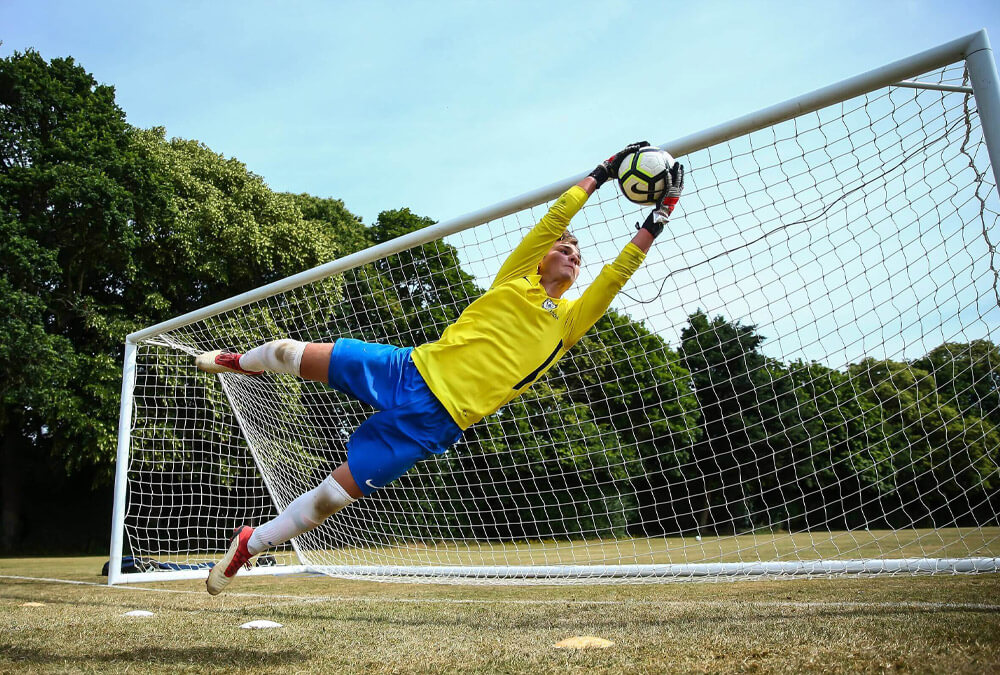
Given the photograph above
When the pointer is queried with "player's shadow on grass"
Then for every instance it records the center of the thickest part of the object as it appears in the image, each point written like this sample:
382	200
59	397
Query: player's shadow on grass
599	618
162	656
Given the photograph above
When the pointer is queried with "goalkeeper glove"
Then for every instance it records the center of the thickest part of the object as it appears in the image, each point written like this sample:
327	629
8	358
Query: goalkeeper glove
659	216
609	167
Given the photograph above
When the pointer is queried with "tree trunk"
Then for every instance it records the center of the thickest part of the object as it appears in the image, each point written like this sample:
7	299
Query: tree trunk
706	510
11	521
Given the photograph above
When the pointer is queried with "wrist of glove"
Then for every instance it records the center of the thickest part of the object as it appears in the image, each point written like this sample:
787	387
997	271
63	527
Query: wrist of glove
609	167
600	174
655	222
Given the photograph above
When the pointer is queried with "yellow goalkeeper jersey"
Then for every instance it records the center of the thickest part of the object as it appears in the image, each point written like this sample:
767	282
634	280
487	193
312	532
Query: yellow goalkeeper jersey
513	333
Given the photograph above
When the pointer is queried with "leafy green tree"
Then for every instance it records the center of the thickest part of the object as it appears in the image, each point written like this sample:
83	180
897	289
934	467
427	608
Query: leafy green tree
839	476
428	281
942	463
967	377
348	233
66	170
635	385
750	425
106	229
218	231
568	475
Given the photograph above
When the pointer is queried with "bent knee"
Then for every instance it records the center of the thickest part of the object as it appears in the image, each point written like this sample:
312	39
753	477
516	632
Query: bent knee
287	352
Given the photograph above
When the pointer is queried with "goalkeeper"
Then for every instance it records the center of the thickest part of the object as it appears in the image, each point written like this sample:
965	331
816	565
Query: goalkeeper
425	397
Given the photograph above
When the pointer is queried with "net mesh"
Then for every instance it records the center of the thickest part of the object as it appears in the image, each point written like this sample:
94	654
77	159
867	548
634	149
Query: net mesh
802	378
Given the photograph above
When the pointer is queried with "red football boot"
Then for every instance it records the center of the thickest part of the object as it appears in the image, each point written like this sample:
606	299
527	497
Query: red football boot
222	362
236	557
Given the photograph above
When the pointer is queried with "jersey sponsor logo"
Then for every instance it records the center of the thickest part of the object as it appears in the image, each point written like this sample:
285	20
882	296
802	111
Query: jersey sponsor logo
550	307
369	483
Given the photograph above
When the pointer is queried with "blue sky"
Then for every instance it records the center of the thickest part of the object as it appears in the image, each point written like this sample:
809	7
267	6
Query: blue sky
449	106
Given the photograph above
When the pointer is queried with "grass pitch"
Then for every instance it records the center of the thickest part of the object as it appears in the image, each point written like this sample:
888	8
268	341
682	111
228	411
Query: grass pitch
901	624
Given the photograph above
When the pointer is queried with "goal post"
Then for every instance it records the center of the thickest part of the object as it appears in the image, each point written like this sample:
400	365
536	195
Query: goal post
801	380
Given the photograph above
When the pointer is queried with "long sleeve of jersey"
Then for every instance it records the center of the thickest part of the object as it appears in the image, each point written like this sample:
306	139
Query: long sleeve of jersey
585	311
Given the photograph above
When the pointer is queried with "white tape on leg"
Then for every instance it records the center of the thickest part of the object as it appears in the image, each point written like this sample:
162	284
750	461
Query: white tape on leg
280	356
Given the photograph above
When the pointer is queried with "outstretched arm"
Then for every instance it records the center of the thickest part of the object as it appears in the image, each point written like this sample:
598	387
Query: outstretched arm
524	259
595	300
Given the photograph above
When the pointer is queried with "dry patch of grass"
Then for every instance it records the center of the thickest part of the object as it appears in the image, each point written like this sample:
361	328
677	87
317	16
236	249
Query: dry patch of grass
900	624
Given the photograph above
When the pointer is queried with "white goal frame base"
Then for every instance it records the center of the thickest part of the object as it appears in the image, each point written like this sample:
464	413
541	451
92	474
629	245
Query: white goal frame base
596	574
202	573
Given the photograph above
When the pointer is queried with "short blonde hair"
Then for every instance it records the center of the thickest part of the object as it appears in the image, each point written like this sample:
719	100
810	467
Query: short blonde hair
568	237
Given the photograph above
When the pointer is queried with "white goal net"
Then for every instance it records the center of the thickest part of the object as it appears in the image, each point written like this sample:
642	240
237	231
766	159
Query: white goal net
802	378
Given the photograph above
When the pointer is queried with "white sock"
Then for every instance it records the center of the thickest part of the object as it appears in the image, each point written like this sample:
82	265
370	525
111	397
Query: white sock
302	515
280	356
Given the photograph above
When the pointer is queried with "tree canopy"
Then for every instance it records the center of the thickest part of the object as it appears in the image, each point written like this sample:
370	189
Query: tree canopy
104	229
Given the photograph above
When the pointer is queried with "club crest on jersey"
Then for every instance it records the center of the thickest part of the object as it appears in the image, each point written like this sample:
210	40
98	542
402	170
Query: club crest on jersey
550	307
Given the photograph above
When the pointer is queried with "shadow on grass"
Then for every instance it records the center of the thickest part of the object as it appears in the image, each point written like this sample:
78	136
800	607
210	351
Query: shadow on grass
194	656
476	617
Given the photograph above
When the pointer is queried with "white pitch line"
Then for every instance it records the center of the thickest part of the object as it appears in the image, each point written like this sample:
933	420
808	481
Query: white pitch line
55	581
469	601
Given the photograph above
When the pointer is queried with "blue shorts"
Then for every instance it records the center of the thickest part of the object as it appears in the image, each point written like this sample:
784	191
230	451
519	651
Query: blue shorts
410	425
